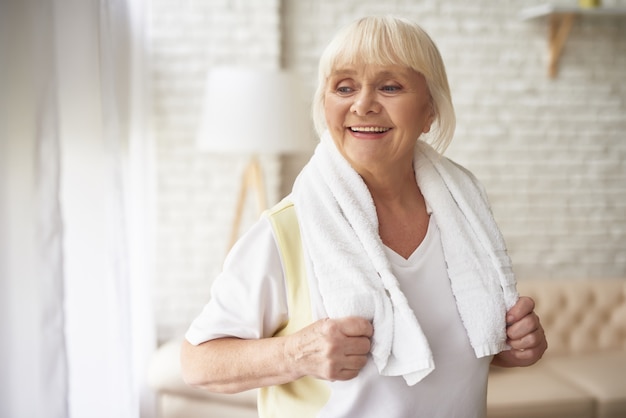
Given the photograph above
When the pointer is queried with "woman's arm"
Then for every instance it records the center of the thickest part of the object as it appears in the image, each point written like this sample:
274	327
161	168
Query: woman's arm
331	349
525	336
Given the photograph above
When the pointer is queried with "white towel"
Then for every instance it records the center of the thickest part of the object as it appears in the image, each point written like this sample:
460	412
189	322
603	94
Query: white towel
339	229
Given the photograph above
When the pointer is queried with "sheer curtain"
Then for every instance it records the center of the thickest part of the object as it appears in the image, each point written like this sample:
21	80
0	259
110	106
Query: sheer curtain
76	216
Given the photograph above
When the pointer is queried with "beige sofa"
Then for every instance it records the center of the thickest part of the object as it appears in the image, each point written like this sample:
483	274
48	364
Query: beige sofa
583	374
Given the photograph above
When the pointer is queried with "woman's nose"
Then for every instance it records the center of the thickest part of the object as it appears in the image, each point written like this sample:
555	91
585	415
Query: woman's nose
365	102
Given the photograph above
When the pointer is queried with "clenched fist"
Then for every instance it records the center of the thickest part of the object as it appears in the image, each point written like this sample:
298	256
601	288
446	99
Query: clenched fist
331	349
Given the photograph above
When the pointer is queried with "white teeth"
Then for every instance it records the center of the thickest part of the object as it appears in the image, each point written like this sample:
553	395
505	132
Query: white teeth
369	129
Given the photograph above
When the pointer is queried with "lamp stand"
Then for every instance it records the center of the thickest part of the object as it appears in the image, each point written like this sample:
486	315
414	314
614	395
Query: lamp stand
252	178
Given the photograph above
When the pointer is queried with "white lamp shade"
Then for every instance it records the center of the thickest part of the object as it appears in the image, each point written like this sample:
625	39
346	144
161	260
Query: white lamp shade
252	111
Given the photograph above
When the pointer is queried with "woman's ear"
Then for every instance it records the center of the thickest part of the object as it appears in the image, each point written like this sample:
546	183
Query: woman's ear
429	120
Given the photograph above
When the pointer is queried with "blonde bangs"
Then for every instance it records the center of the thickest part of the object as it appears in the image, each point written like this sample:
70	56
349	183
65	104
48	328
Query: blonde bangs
375	42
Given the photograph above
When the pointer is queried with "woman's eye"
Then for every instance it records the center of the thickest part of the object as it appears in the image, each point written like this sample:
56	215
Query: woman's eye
344	89
391	88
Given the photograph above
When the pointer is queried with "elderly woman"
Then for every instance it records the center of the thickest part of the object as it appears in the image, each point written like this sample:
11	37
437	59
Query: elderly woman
381	285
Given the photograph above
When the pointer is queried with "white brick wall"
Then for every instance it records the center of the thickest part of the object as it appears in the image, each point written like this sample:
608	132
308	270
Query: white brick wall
552	153
197	191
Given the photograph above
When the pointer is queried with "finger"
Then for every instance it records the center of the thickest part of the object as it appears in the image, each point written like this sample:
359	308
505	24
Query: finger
526	325
355	362
351	368
522	308
357	346
531	340
344	367
521	354
354	326
532	354
517	358
525	343
346	374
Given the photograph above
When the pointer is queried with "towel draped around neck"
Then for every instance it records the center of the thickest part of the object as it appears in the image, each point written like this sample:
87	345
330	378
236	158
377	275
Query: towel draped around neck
339	228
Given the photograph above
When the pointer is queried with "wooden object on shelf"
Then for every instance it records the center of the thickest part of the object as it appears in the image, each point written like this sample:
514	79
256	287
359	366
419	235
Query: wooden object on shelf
560	27
561	20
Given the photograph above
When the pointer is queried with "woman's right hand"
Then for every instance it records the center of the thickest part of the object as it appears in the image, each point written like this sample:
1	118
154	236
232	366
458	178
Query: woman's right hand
331	349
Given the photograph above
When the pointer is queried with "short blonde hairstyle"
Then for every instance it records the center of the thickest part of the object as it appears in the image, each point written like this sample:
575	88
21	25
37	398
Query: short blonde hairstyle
390	41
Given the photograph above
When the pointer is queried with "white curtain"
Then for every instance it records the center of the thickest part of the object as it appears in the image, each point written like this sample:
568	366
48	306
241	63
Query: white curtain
76	216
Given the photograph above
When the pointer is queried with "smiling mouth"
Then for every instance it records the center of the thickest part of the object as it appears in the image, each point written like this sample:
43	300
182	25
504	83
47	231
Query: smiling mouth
369	129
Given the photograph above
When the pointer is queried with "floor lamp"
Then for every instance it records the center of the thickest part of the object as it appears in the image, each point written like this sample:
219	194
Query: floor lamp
252	112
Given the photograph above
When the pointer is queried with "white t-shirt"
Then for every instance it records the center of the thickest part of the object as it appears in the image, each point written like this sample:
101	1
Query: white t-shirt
248	300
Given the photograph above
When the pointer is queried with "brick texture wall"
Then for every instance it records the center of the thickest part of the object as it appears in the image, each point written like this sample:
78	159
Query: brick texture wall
551	152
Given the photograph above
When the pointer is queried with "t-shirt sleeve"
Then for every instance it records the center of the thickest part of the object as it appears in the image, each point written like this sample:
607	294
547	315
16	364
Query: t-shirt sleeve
248	299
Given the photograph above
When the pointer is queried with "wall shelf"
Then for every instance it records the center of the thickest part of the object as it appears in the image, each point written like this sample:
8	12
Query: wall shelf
561	20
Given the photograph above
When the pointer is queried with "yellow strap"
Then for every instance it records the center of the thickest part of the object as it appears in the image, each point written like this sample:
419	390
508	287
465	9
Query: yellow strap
287	232
306	396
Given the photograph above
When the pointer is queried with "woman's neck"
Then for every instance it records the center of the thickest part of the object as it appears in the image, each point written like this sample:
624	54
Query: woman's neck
392	187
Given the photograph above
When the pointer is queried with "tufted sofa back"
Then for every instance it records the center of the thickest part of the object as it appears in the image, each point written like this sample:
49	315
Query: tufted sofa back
580	316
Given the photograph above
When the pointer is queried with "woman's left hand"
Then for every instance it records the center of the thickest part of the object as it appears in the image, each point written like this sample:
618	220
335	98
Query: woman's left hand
525	336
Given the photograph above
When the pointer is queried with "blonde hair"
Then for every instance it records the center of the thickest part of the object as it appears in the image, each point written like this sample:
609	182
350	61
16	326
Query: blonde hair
390	41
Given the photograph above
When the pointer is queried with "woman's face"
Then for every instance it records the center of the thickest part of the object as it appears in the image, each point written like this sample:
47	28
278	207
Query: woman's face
375	114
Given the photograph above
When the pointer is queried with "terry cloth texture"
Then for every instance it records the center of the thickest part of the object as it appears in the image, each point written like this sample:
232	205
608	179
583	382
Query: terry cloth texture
339	229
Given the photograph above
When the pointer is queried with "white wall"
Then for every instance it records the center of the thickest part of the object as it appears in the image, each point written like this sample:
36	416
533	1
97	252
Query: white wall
551	152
